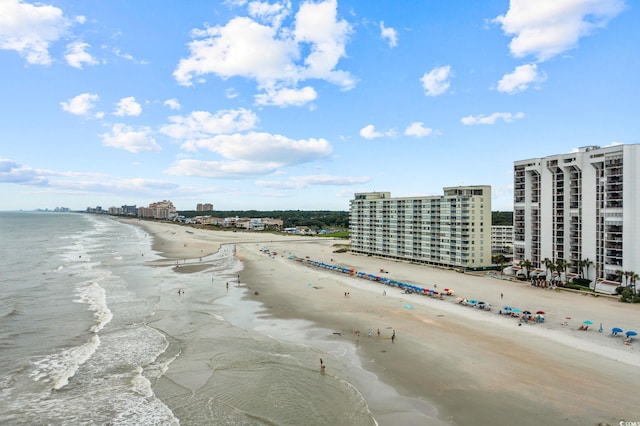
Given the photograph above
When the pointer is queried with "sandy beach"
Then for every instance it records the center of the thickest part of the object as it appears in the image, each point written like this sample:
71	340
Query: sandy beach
477	367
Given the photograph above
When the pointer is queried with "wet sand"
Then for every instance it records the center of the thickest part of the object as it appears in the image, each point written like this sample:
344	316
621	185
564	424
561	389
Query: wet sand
477	367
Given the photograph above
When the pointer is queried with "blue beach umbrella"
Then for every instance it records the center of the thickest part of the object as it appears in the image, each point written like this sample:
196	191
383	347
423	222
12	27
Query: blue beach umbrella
588	322
507	308
616	330
515	311
631	333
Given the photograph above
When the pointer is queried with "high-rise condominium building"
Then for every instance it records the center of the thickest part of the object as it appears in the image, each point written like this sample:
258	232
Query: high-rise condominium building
204	207
581	207
453	230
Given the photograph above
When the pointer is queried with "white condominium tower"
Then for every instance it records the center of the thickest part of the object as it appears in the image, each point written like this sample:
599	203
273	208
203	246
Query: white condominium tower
453	230
581	206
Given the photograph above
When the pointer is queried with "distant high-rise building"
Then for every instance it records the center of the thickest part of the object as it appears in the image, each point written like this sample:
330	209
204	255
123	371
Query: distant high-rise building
159	210
204	207
453	230
580	208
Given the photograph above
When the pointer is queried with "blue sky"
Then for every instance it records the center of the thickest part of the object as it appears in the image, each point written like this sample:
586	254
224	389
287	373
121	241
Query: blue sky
298	105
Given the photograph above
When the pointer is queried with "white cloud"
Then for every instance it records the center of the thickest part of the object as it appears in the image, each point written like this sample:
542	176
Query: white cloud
82	104
521	78
130	139
287	97
231	93
273	57
370	132
318	25
507	117
263	148
77	55
436	81
299	182
29	29
418	130
271	13
202	124
243	48
128	106
389	34
546	28
221	169
173	104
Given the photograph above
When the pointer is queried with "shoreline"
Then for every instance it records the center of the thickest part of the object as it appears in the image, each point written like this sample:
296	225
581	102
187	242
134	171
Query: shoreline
475	366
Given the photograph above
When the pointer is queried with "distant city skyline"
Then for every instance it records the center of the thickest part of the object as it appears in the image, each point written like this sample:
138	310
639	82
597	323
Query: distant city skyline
287	105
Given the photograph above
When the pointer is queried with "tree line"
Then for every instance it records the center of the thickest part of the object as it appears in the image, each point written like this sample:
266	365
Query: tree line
318	219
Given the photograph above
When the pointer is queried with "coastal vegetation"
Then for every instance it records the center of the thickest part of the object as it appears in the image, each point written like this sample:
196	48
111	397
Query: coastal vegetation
318	219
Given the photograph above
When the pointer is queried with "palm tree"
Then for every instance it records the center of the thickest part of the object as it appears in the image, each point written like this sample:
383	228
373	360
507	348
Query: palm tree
562	266
586	263
633	277
525	264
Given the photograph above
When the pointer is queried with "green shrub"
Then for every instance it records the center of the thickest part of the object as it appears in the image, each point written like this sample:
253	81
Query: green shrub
583	282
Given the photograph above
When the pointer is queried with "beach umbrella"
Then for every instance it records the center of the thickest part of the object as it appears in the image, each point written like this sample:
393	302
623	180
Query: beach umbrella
526	312
616	330
587	322
631	333
515	310
507	308
540	312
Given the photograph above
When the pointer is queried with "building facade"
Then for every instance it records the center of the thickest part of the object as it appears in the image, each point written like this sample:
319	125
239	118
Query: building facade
501	239
204	207
453	230
580	207
159	210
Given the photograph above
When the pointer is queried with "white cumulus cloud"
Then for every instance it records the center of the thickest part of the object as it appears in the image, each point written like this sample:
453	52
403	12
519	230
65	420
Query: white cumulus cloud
202	124
418	130
77	55
287	97
521	78
276	58
507	117
389	34
82	104
546	28
133	140
30	29
369	132
173	104
128	107
261	147
436	81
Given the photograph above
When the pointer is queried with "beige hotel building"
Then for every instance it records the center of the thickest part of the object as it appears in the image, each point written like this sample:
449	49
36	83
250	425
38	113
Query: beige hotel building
452	230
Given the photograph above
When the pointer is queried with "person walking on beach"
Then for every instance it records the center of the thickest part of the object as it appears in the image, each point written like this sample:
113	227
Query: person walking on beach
501	296
393	337
227	285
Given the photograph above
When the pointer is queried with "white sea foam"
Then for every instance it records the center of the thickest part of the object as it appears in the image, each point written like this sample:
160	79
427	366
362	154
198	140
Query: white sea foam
58	368
95	296
140	384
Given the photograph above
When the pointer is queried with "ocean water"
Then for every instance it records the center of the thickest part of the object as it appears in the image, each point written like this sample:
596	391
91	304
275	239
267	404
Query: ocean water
90	333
